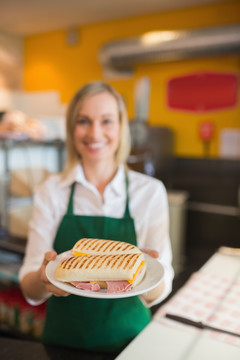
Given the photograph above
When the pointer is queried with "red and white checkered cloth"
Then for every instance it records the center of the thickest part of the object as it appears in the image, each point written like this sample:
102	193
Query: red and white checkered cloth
208	298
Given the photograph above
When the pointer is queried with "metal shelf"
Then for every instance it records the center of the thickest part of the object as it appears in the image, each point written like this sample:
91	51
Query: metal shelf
6	199
8	144
16	245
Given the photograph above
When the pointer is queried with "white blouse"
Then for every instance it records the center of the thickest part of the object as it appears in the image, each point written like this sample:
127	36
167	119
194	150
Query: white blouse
148	206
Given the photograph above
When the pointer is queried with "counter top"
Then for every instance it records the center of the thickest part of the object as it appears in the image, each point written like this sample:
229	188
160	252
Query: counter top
211	295
16	349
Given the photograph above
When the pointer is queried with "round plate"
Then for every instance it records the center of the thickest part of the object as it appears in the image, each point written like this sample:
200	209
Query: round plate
153	277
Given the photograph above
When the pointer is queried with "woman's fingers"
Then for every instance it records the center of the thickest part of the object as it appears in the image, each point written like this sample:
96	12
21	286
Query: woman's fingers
49	256
152	253
56	291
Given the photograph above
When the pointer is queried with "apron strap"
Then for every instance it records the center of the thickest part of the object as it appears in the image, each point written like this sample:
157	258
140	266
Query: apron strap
70	201
126	213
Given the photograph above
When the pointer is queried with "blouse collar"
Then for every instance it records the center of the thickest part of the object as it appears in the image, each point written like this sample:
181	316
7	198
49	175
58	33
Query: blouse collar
76	174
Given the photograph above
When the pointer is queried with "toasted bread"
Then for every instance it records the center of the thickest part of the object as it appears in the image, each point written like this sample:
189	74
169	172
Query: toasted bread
88	246
101	268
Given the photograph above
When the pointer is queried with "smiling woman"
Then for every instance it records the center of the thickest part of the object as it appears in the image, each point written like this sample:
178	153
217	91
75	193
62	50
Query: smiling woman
96	197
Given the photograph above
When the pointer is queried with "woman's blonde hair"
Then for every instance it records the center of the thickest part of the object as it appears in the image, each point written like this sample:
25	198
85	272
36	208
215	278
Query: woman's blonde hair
74	107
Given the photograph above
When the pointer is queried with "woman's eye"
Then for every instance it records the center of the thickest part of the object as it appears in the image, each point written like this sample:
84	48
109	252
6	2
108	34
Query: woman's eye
82	121
107	121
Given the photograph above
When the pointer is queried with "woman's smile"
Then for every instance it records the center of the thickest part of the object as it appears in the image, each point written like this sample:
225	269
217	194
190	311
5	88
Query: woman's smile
95	145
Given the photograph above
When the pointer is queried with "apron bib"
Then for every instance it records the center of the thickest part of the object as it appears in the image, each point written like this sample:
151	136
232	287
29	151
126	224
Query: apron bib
94	324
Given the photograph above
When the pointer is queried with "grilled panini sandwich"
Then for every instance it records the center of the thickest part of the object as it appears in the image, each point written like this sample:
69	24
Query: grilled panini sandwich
118	272
103	247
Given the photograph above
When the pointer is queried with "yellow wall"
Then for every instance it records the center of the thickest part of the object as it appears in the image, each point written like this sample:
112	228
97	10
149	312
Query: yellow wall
51	64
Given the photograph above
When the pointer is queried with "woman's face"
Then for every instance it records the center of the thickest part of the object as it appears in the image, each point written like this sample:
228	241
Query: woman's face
97	130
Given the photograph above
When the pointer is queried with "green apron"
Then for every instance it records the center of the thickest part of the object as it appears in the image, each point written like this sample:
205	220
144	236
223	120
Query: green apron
95	324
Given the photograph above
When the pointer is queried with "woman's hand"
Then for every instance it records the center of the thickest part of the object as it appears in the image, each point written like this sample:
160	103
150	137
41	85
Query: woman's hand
152	253
157	291
36	286
49	287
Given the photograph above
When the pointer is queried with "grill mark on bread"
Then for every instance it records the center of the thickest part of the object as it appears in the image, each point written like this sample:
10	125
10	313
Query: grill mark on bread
95	245
81	261
127	260
89	244
120	247
103	258
71	263
105	245
116	257
91	259
94	259
110	246
132	258
67	263
128	246
124	260
76	263
107	259
81	243
116	245
95	263
98	258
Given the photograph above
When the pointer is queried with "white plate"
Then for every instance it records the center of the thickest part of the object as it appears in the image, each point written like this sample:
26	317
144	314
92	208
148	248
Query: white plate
153	277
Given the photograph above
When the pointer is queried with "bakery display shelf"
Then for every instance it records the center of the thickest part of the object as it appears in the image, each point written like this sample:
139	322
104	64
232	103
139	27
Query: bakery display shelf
13	333
10	263
13	244
18	201
14	205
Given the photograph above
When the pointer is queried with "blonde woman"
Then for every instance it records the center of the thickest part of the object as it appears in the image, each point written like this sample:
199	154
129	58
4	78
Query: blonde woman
96	196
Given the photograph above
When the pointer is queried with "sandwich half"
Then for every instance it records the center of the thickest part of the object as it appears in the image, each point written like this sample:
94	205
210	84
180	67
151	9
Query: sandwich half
115	272
87	246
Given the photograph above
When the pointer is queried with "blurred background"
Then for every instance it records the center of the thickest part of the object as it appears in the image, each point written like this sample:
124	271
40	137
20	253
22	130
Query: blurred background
177	66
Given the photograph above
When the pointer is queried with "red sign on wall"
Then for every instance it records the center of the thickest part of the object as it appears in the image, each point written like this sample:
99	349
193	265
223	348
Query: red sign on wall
202	92
206	130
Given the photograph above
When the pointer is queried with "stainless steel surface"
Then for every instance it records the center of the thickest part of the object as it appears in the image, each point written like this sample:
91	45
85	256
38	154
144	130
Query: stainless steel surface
214	208
151	144
16	245
161	46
